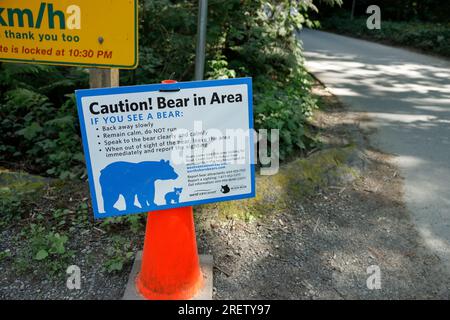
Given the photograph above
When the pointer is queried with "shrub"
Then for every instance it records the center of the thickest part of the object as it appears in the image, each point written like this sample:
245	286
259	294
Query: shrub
287	110
38	122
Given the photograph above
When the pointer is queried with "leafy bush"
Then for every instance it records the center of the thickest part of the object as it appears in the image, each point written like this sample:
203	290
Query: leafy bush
38	119
288	110
429	37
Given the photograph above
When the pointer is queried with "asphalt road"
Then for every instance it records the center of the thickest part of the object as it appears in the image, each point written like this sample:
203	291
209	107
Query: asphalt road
407	98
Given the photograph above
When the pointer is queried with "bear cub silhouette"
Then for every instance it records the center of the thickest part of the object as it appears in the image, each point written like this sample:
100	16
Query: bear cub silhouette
133	179
174	196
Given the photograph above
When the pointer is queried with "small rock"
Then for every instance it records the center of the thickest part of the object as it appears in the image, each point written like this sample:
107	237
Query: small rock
214	225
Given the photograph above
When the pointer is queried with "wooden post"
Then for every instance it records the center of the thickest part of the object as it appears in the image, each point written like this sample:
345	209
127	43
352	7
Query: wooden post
103	78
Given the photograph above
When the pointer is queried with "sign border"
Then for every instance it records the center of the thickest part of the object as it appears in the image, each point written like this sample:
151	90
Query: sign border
94	65
156	87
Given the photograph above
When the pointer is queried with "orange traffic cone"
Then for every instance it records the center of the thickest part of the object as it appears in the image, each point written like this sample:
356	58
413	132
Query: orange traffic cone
170	267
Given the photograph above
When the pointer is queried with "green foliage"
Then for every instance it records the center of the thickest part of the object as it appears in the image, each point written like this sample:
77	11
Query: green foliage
135	223
5	254
287	109
38	120
45	247
50	244
68	219
263	46
429	37
119	254
13	205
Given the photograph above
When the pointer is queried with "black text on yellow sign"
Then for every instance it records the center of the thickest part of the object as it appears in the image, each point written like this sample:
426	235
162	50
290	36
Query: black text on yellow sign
70	32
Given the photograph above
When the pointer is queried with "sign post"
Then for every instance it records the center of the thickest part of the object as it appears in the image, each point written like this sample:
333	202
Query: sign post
201	39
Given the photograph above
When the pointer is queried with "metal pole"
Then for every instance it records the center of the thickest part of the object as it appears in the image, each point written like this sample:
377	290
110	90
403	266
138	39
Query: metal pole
201	39
353	10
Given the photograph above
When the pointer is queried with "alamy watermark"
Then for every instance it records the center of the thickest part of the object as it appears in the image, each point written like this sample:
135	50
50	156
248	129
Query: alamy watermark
374	20
74	280
374	280
215	147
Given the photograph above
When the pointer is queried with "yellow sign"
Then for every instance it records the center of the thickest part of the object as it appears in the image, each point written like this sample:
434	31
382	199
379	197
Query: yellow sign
95	33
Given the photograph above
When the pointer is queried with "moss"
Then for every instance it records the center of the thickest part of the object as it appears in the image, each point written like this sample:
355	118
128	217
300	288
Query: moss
304	177
294	181
13	182
17	191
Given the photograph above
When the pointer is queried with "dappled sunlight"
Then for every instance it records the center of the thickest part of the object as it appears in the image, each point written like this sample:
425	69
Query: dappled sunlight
405	118
436	242
431	108
430	101
345	91
409	161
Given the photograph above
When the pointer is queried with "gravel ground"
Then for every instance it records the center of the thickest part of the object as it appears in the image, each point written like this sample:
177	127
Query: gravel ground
318	248
96	283
90	242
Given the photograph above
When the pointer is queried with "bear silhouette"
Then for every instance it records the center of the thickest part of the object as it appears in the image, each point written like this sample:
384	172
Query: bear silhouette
133	179
225	189
173	196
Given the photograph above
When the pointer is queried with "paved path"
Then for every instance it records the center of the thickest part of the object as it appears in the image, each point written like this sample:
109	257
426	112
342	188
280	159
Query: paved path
407	97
